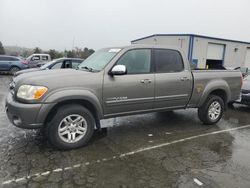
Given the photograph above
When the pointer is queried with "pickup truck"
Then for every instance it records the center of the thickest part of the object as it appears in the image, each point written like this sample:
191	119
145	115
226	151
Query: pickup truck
69	104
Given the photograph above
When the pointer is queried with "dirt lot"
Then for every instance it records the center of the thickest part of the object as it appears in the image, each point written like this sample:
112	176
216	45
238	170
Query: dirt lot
170	149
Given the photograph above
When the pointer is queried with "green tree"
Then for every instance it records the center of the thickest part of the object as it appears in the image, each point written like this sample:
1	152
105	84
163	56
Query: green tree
54	54
37	50
70	53
2	51
83	53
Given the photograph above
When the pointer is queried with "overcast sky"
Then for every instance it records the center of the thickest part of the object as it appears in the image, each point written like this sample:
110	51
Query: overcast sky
60	24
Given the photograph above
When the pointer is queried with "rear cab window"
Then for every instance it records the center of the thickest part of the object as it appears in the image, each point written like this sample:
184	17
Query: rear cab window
167	61
8	59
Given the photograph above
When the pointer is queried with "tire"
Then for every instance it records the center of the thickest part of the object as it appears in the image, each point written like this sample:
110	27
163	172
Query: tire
209	115
13	70
63	122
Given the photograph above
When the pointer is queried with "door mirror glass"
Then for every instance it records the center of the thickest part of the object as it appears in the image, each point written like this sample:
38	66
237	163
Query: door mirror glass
119	70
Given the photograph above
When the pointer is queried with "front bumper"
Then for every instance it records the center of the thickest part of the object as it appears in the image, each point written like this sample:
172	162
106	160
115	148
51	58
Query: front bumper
23	115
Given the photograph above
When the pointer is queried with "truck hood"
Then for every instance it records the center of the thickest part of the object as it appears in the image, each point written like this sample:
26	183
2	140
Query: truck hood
58	78
27	70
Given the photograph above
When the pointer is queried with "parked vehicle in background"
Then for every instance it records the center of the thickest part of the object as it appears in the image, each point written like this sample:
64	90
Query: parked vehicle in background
12	64
114	82
243	70
62	63
245	92
35	59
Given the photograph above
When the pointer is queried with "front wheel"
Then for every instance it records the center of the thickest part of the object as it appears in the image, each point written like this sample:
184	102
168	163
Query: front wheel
212	110
71	127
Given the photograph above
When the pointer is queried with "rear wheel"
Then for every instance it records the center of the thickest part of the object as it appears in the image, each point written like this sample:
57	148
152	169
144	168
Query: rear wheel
212	110
13	70
71	127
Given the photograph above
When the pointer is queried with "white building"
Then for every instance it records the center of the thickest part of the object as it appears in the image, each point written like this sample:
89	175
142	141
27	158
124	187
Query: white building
205	51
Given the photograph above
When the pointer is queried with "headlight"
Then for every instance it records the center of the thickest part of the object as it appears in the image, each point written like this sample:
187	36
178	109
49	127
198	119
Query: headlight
30	92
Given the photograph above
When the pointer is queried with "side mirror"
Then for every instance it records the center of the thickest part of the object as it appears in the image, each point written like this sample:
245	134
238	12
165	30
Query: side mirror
118	70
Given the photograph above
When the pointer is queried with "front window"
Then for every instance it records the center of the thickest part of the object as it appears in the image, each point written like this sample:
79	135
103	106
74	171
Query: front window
46	65
137	61
57	65
98	60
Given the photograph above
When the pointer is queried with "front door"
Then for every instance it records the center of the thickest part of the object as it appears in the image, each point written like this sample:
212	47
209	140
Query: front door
133	91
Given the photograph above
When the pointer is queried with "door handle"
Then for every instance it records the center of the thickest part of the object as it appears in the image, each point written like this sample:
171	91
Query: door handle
144	81
184	78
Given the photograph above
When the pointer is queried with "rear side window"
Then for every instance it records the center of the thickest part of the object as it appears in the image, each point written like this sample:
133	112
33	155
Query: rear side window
8	59
137	61
12	59
45	58
167	61
2	59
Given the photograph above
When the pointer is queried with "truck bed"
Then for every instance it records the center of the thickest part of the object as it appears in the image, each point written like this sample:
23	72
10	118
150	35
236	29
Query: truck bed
203	80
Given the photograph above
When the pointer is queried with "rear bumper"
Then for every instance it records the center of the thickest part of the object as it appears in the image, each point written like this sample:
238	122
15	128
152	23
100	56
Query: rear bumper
27	116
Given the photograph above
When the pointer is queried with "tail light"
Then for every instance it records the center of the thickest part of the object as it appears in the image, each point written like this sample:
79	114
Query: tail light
25	62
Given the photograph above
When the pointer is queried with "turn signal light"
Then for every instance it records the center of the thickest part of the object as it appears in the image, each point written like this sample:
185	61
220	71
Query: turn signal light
39	92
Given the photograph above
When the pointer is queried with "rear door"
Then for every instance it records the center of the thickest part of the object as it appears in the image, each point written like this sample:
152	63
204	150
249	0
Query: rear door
133	91
173	84
5	63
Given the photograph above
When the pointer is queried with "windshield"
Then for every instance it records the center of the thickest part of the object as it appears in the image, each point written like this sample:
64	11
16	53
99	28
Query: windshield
98	60
48	64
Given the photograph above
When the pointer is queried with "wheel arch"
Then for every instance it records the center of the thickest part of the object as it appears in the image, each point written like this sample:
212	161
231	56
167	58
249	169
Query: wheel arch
81	102
219	88
71	96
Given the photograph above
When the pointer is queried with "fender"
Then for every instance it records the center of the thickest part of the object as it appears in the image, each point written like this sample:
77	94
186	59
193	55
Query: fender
213	85
58	96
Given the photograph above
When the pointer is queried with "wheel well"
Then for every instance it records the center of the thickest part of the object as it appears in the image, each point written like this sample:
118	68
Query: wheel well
14	66
221	93
84	103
